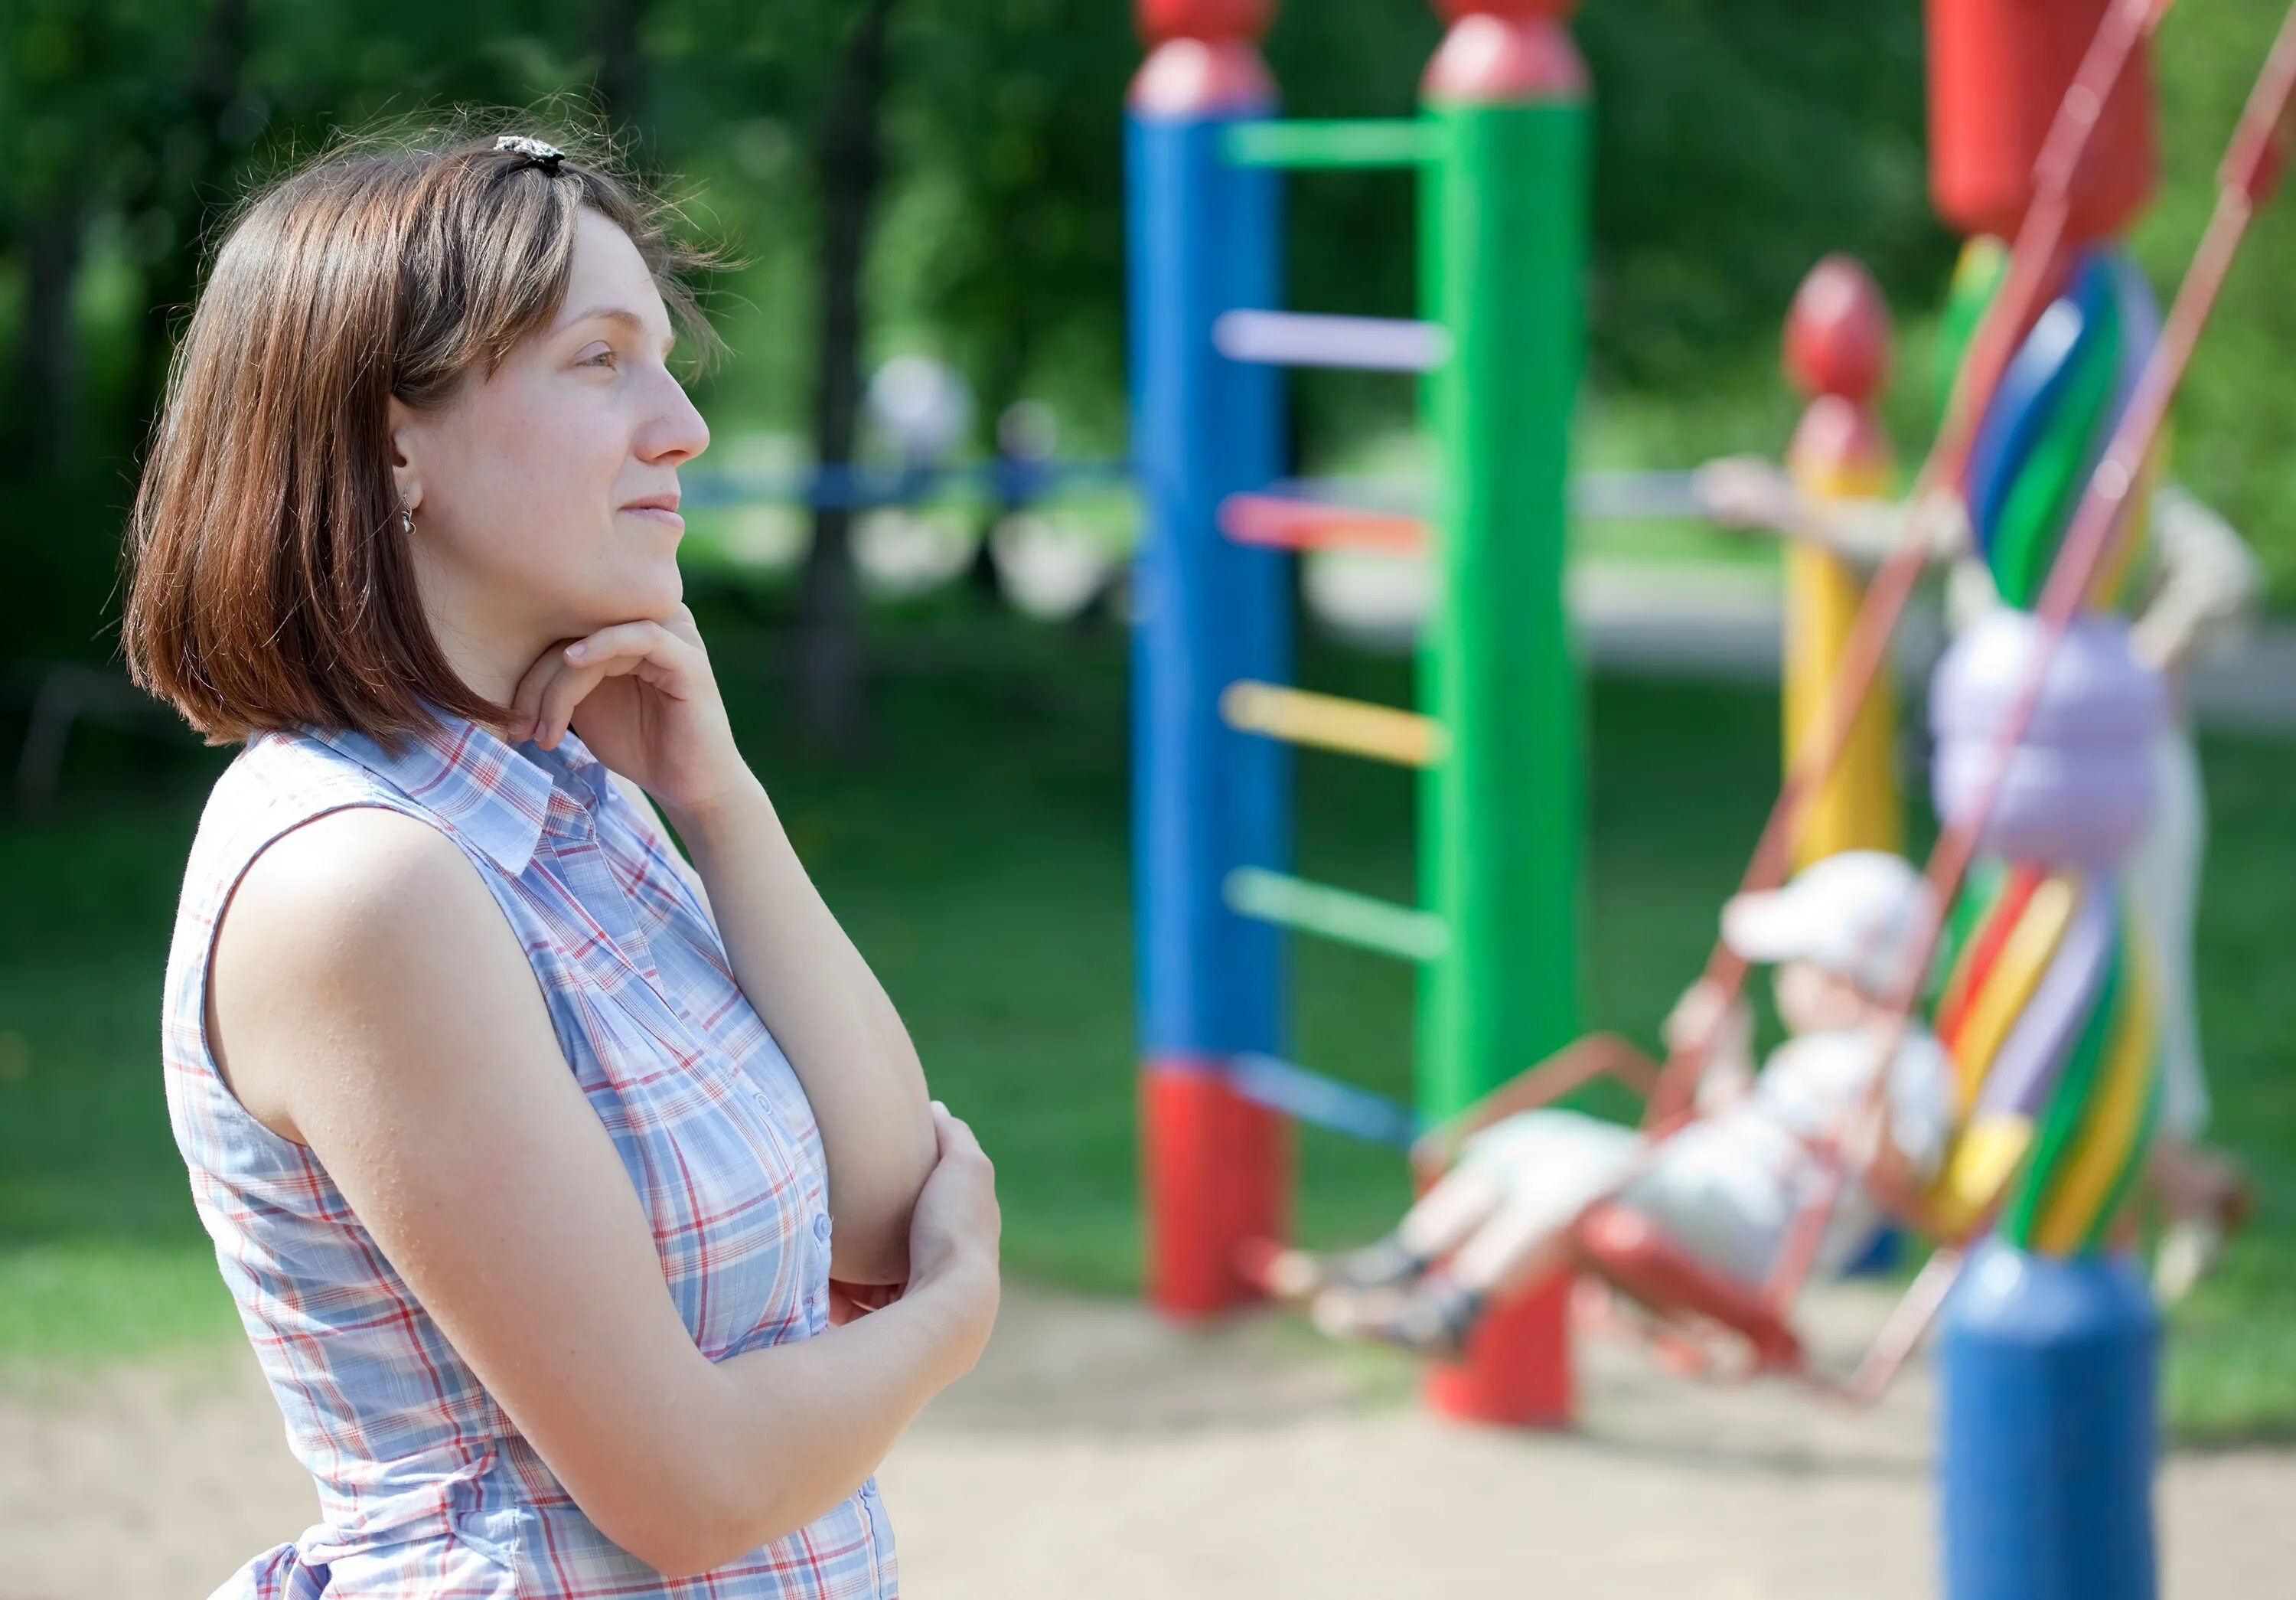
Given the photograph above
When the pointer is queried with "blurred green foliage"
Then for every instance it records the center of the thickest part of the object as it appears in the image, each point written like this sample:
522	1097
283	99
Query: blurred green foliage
1734	145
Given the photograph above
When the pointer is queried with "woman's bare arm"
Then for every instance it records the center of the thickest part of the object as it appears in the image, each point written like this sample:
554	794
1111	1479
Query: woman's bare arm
370	1000
872	1188
832	1019
644	698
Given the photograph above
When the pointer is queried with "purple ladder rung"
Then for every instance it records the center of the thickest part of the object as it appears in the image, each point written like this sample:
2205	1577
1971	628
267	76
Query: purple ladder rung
1364	343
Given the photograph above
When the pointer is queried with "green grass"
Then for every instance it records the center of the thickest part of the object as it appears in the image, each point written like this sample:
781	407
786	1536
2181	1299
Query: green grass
977	850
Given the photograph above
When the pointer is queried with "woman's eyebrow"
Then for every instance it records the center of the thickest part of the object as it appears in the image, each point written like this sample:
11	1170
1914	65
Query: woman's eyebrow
618	314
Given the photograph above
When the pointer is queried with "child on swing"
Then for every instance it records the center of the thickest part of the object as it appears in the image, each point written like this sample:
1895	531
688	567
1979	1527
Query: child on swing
1726	1188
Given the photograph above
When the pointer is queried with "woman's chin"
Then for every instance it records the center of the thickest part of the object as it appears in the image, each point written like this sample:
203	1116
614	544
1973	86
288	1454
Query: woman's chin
654	591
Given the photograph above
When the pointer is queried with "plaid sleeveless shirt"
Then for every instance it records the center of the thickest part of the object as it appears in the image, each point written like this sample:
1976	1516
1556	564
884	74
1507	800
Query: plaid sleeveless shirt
426	1489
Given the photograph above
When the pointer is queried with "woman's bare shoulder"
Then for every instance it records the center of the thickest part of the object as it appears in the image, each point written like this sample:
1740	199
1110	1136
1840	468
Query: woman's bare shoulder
363	915
354	874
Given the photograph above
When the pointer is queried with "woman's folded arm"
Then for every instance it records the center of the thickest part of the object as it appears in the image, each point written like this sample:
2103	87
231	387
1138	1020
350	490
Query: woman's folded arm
370	1000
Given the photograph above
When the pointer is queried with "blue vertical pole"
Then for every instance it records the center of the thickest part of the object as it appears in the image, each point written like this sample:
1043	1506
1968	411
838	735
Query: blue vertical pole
2048	1429
1206	798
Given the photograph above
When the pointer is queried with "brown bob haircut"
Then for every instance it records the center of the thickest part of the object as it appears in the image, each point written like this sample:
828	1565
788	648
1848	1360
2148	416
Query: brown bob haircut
271	584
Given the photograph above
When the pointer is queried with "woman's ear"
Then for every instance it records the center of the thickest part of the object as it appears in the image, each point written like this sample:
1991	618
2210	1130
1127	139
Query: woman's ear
406	451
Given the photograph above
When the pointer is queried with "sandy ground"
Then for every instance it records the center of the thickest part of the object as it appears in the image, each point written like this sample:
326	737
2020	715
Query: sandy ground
1098	1452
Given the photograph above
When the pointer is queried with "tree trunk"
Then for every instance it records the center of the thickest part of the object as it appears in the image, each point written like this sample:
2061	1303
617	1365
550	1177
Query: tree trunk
47	354
618	81
851	161
1008	370
169	282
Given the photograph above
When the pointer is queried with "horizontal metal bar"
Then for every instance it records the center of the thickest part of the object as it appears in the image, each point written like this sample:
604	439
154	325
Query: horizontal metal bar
1379	344
1353	727
1594	493
1339	915
854	487
1623	496
1309	1096
1597	496
1283	523
1387	142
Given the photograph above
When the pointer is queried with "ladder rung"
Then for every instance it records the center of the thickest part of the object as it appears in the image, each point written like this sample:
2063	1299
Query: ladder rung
1361	142
1339	915
1309	1096
1288	524
1380	344
1353	727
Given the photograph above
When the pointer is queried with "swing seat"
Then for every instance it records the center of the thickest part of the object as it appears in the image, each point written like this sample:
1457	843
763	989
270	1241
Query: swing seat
1629	1254
1626	1252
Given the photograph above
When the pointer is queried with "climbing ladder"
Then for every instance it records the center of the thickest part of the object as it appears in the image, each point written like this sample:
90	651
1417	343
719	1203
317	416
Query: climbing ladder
1496	737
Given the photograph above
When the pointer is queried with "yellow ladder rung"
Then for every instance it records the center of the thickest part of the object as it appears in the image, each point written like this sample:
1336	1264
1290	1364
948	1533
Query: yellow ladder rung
1351	727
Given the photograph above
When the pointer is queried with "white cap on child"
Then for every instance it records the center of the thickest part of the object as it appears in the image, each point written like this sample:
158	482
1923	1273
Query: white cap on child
1857	914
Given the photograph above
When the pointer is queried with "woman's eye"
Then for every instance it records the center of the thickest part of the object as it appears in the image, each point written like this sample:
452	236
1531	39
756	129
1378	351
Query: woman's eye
602	359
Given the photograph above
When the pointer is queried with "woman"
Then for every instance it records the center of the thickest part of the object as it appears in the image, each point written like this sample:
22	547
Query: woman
552	1175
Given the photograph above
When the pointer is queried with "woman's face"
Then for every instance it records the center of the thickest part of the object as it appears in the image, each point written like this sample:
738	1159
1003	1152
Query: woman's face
544	495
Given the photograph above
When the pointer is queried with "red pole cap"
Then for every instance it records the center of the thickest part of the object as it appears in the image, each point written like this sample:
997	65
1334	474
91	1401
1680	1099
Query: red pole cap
1211	20
1838	332
1522	11
1500	51
1997	71
1203	58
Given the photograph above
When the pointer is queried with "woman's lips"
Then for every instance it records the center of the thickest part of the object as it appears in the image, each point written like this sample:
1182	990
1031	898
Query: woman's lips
655	513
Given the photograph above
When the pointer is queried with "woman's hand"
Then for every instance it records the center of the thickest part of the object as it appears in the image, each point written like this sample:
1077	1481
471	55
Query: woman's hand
849	1302
953	1232
642	696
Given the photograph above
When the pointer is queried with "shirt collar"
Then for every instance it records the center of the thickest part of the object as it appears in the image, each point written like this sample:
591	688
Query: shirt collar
493	793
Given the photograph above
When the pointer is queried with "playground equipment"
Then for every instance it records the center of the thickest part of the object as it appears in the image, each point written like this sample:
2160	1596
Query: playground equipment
1837	352
2056	411
2051	1349
1500	151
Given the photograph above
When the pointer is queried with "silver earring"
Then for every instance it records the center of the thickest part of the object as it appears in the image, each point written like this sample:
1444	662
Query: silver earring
405	520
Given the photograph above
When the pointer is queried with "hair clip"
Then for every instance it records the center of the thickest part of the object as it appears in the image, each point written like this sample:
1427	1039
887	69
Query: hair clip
537	154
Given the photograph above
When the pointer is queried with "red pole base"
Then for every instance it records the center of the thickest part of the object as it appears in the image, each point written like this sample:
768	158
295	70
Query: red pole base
1517	1372
1216	1170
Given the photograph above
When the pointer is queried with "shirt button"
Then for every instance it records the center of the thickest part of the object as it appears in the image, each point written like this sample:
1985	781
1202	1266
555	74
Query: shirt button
821	1227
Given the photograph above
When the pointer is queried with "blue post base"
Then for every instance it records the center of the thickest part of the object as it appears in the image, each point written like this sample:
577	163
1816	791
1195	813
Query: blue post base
2049	1430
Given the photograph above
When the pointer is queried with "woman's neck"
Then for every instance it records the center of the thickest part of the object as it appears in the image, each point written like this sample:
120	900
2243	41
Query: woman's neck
490	659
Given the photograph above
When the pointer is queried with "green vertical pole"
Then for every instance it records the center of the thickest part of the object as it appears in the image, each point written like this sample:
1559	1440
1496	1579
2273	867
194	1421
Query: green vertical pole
1502	819
1502	243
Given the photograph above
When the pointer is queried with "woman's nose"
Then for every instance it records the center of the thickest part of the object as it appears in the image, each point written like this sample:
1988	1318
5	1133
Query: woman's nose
678	433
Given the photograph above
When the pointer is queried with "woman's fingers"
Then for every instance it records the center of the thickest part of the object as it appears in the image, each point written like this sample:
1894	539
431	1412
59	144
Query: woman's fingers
526	704
566	676
564	691
957	1136
626	640
963	1179
681	623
